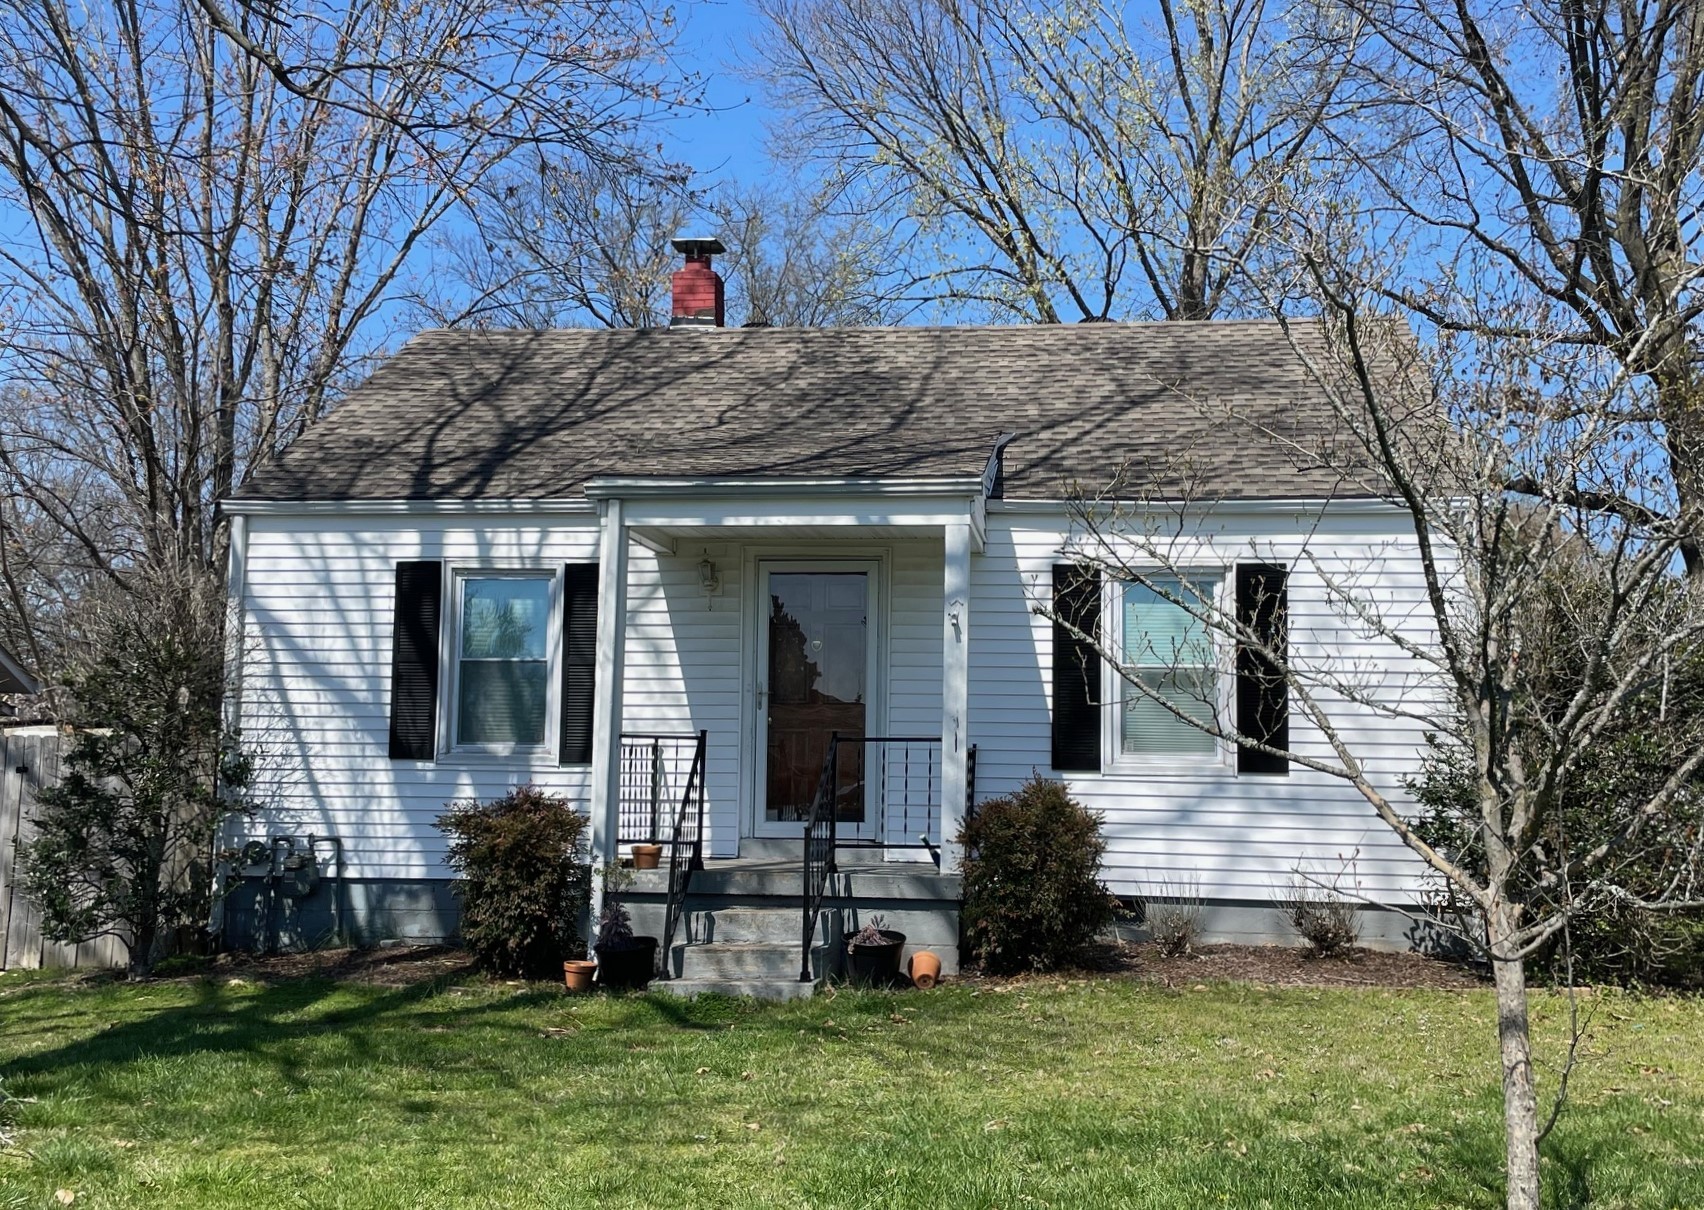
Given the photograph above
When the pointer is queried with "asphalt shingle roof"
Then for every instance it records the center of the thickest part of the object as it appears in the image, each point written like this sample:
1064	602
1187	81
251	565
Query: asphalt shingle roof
470	415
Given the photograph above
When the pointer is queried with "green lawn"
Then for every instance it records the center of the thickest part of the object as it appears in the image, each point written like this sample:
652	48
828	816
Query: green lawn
1068	1093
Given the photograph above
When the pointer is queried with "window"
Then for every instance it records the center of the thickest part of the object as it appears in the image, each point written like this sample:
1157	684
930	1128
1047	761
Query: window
1171	653
503	661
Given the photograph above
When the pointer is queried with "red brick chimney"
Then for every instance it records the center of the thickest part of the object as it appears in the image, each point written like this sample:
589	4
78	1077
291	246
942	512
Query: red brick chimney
697	287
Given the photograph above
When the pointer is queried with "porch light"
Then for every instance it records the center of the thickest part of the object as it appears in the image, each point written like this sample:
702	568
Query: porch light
708	580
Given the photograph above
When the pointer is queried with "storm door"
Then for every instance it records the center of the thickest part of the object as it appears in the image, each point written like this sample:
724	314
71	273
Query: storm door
816	652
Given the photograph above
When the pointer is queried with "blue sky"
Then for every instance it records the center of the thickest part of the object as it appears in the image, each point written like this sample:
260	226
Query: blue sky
727	139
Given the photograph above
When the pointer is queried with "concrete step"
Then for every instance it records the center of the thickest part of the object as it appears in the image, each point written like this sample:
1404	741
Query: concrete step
773	925
744	960
761	989
878	880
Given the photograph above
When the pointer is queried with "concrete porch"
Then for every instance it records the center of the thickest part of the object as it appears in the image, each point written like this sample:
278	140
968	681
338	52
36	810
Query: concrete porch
742	927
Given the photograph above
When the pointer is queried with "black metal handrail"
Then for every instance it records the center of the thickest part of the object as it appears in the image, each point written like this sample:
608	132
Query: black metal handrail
686	849
906	773
913	780
819	852
969	785
653	776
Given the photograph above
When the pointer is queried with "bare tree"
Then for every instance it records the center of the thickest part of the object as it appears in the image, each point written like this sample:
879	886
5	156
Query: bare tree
793	264
1062	162
1538	632
200	257
1548	152
564	245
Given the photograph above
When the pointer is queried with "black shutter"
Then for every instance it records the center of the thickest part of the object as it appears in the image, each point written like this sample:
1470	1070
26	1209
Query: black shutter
1076	670
414	661
1263	701
579	660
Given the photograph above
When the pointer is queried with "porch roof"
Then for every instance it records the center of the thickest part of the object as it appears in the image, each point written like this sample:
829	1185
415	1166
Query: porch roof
509	415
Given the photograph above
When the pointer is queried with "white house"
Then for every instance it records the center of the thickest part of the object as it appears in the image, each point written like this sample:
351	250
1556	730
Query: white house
562	557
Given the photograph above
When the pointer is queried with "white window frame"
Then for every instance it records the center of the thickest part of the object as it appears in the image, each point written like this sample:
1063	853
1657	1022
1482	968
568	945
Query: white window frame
1220	760
450	663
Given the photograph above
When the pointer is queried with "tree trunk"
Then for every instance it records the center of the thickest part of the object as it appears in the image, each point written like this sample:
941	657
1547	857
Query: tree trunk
141	953
1520	1097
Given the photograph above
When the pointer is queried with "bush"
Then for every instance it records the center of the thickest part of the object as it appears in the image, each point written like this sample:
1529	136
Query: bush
523	880
1323	918
1609	940
1032	892
120	844
1174	916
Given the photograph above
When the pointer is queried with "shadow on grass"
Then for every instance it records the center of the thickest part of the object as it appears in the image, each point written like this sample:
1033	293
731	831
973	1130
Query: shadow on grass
279	1023
269	1019
258	1022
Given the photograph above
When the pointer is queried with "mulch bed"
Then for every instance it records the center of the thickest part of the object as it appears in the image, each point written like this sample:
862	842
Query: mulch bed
1266	966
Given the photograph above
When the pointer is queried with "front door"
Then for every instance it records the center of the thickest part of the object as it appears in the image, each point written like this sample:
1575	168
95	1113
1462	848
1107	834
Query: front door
816	666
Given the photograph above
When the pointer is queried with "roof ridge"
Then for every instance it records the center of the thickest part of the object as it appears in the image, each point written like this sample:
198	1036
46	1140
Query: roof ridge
1173	325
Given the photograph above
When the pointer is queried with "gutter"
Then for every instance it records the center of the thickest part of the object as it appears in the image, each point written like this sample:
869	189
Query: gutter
643	487
1360	506
406	508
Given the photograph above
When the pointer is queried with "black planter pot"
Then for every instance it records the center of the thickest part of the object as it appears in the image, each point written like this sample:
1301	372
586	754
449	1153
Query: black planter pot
874	965
632	965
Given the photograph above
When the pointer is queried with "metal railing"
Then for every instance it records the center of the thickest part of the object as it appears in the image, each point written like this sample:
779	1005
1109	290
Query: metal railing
654	773
661	801
819	853
897	777
685	850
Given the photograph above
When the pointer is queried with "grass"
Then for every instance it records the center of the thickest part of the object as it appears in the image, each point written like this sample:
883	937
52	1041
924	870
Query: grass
1069	1093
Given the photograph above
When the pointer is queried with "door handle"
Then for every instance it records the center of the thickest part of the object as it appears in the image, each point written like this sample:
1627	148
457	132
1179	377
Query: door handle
760	696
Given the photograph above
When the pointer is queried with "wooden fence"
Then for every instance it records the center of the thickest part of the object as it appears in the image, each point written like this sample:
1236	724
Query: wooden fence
31	757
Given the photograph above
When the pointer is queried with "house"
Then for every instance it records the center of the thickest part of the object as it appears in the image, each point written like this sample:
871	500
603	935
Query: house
656	571
15	681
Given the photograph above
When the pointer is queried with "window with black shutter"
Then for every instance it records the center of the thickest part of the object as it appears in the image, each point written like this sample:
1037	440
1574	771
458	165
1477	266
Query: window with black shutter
414	660
1263	702
579	660
1076	669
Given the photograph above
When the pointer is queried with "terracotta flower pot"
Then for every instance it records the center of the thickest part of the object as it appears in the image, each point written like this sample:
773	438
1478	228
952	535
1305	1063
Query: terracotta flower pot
647	856
925	969
577	974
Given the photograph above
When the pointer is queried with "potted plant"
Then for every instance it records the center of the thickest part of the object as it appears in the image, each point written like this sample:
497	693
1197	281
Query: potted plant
647	856
577	974
872	954
624	959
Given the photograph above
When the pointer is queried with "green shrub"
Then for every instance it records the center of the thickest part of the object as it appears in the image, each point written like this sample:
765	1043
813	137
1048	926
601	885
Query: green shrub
1032	893
523	880
1608	940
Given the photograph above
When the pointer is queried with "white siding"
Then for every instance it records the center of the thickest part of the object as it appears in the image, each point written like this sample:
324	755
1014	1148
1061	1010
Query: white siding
1233	837
318	604
316	679
684	653
318	612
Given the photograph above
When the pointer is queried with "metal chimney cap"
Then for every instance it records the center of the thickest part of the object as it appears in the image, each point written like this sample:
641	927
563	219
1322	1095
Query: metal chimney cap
697	245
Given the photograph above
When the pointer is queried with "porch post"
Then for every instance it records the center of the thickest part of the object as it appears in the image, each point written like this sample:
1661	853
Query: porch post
606	704
955	687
